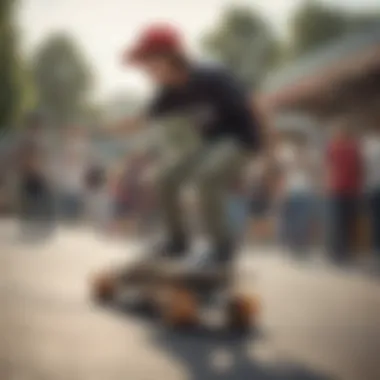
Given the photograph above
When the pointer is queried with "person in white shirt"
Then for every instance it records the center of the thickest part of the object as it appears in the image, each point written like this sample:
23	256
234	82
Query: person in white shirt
71	176
371	151
98	204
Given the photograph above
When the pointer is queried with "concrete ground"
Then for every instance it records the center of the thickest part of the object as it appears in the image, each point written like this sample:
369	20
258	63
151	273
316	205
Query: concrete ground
317	323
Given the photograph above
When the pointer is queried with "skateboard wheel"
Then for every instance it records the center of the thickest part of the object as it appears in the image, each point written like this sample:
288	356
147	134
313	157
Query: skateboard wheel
242	312
179	309
103	287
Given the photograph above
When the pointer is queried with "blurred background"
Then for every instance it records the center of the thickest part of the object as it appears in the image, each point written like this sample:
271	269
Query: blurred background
313	67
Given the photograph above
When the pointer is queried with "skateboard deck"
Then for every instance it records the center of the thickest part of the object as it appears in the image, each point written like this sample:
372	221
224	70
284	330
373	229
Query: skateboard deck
179	293
168	273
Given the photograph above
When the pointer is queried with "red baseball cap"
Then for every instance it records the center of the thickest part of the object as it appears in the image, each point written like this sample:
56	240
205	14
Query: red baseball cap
156	39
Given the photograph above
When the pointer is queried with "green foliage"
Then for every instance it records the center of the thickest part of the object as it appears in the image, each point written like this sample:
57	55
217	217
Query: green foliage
243	42
315	24
63	78
363	21
15	89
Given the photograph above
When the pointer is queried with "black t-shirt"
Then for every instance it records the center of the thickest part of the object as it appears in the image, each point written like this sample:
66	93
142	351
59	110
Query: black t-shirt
215	101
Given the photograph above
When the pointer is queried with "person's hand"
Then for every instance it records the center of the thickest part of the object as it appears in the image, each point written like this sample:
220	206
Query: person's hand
128	125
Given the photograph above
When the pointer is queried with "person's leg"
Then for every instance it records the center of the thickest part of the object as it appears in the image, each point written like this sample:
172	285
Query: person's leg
351	218
73	200
120	211
80	202
221	165
25	205
336	230
284	221
320	219
47	206
70	207
35	205
377	223
348	222
29	192
237	209
305	221
374	214
296	222
171	178
44	219
65	206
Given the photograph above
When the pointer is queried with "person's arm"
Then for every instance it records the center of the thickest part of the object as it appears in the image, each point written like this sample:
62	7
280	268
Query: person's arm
139	127
130	125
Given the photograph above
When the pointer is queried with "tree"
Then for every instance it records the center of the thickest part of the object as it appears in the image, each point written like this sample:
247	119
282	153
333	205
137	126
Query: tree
16	91
92	114
314	25
243	42
363	21
63	79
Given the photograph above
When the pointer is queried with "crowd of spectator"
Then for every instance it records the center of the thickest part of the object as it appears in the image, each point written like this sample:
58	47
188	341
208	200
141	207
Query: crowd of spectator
329	192
316	194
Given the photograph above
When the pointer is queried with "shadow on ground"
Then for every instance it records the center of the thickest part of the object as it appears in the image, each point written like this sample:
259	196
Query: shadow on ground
212	353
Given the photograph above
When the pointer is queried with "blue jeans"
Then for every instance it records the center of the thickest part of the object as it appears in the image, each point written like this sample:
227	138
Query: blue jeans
297	218
71	206
238	212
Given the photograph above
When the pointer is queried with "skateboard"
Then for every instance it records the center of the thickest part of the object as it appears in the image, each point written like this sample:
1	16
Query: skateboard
179	295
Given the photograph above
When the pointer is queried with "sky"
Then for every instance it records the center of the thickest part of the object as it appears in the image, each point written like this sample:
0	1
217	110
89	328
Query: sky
104	27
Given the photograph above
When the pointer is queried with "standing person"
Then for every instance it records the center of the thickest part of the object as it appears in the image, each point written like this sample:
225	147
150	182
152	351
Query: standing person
259	193
126	192
210	105
371	149
98	198
147	199
298	198
74	161
120	196
32	159
344	186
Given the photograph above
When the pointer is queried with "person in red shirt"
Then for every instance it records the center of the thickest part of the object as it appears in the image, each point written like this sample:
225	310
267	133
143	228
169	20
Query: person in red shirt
344	187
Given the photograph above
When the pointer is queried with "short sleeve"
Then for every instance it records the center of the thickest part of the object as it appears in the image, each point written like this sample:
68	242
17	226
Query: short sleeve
228	89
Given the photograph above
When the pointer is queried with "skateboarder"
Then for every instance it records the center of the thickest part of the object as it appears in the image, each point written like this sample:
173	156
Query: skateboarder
209	104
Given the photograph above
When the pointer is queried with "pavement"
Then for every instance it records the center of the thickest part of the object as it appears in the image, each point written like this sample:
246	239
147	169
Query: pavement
317	322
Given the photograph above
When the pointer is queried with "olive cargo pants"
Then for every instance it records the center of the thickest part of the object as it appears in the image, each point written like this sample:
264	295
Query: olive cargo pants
213	168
